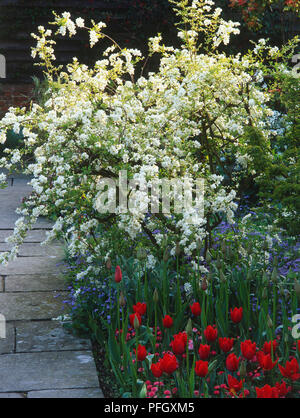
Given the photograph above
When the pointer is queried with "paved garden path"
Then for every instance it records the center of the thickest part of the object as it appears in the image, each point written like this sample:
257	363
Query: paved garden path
38	357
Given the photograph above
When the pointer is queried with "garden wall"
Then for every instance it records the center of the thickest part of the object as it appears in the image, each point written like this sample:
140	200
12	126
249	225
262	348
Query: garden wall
14	94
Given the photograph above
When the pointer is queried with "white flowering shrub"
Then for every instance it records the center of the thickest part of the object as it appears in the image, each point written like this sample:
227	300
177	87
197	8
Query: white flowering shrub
183	121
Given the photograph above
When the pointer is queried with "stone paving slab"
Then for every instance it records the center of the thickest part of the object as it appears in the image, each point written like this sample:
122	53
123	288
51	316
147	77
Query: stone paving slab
15	175
35	250
1	284
38	235
19	182
11	395
34	283
67	393
32	305
47	336
41	223
32	265
10	199
7	345
25	372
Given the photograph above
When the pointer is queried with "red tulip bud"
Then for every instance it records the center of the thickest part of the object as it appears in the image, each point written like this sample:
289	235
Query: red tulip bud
118	274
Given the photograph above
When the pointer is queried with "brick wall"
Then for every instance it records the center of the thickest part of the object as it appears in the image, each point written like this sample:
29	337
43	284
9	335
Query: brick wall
14	95
18	18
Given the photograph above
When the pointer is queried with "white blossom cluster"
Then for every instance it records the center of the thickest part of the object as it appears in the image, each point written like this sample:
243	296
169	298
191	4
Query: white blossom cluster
105	119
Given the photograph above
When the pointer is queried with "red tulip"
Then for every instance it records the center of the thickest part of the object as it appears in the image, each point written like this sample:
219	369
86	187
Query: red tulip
118	274
265	361
179	343
248	349
140	308
167	321
291	370
282	388
132	316
226	344
210	334
201	368
298	344
156	370
267	348
236	315
141	352
234	384
267	392
204	351
232	362
196	309
168	363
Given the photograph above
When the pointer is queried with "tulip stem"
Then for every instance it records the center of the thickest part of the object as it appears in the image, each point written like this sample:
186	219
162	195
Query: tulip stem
118	306
155	323
136	356
187	360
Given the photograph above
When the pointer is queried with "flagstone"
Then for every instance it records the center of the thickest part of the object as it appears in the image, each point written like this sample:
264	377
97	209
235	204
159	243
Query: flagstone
10	395
67	393
7	344
35	250
32	265
24	372
32	305
47	336
36	235
10	200
34	283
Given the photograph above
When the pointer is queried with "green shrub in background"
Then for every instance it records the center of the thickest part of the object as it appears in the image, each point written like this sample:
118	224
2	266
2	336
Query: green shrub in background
13	141
277	165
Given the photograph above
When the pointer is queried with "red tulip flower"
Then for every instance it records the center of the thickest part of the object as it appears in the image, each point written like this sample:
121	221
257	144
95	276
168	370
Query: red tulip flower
267	348
291	370
141	352
226	344
167	321
168	363
204	351
132	316
282	388
179	343
196	309
232	362
265	361
201	368
156	370
234	385
248	349
210	334
236	315
140	308
118	274
267	392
